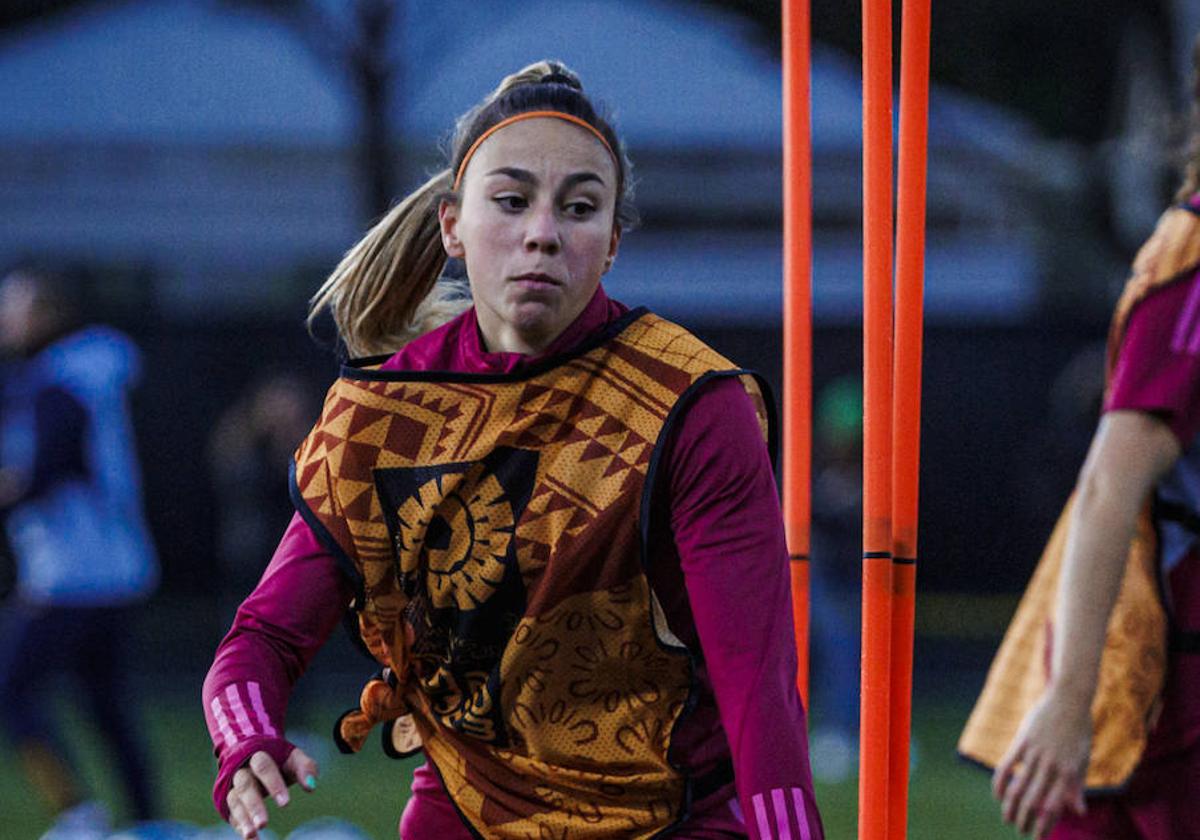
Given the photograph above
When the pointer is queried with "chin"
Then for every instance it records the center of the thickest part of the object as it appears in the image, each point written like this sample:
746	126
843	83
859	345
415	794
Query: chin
534	315
536	327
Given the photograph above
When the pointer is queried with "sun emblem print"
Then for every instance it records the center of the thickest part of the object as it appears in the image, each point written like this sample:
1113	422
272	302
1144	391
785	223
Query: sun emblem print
452	526
457	528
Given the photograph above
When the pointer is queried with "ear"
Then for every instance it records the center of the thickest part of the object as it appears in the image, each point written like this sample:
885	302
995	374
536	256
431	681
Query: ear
448	221
614	243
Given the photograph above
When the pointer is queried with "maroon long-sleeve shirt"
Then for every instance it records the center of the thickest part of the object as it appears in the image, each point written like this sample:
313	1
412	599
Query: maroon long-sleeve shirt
725	590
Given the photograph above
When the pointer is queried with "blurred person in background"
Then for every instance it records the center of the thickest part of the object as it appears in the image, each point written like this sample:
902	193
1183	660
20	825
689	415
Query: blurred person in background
248	453
555	519
1136	505
71	501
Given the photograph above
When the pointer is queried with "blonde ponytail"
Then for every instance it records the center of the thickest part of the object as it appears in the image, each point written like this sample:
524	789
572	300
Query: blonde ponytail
384	292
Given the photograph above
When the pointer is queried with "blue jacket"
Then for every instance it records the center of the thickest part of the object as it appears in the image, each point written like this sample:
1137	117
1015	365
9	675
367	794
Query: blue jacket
77	530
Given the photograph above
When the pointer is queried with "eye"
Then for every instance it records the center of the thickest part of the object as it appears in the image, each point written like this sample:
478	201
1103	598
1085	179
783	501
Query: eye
580	209
511	201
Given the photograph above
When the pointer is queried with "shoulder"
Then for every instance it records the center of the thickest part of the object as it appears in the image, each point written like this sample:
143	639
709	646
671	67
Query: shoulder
1171	250
726	403
666	346
94	359
722	432
1157	365
1169	315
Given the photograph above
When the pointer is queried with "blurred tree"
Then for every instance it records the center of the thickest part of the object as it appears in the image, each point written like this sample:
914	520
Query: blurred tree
354	37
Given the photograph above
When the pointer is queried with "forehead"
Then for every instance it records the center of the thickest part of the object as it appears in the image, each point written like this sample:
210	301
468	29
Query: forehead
545	146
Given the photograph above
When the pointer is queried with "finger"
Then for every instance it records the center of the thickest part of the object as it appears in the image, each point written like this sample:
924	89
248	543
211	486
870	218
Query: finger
1003	774
240	820
302	769
1013	789
268	775
1053	803
244	779
237	817
253	809
1061	792
247	793
1034	800
1045	821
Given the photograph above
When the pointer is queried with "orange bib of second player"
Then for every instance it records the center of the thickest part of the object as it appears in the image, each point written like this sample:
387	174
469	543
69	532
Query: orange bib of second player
1132	667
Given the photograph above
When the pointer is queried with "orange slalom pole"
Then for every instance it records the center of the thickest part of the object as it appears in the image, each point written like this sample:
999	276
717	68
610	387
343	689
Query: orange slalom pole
906	391
877	419
797	317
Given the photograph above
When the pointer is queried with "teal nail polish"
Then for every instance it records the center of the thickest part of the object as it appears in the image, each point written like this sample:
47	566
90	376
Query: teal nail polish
310	781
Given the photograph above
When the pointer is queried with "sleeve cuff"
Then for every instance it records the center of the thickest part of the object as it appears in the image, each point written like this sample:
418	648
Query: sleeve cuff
278	748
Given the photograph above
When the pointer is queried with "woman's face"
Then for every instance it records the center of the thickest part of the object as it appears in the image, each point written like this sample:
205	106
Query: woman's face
25	320
534	222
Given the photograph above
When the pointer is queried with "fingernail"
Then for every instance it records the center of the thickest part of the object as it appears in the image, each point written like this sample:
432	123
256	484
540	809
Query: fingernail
310	781
281	798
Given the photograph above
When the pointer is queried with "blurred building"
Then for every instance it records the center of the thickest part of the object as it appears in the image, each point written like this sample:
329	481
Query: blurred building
208	146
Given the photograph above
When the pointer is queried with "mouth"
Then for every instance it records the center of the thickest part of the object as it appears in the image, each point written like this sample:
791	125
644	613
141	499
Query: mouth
537	279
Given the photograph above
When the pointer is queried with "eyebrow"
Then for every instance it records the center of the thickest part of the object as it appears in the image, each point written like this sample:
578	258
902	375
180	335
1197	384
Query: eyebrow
527	177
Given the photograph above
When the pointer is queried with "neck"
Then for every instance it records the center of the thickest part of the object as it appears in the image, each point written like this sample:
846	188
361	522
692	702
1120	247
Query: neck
505	338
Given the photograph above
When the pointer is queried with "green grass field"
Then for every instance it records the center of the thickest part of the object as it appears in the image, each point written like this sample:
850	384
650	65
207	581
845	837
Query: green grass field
949	800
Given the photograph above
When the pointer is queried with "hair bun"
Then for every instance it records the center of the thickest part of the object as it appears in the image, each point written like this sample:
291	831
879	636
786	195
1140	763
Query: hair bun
558	77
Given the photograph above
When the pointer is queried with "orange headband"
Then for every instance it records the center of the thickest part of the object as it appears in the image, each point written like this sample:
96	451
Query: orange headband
529	115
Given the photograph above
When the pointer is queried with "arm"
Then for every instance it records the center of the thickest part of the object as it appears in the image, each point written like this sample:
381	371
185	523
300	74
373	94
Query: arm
1130	452
729	532
277	631
59	422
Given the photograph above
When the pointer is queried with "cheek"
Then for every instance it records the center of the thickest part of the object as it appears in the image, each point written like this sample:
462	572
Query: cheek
592	249
488	237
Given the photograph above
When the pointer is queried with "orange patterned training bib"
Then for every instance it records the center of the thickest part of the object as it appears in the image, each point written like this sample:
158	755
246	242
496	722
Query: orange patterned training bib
496	523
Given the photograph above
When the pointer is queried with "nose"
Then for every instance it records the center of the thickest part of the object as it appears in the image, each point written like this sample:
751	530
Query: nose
542	231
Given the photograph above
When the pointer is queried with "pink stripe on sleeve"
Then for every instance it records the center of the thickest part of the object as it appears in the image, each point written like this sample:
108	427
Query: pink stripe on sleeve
801	813
223	723
781	814
260	712
239	711
760	814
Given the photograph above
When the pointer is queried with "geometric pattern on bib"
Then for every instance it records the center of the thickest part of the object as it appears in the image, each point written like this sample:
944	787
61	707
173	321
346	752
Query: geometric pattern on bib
400	472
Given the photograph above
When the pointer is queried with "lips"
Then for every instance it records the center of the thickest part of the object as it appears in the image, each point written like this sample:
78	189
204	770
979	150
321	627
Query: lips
534	277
